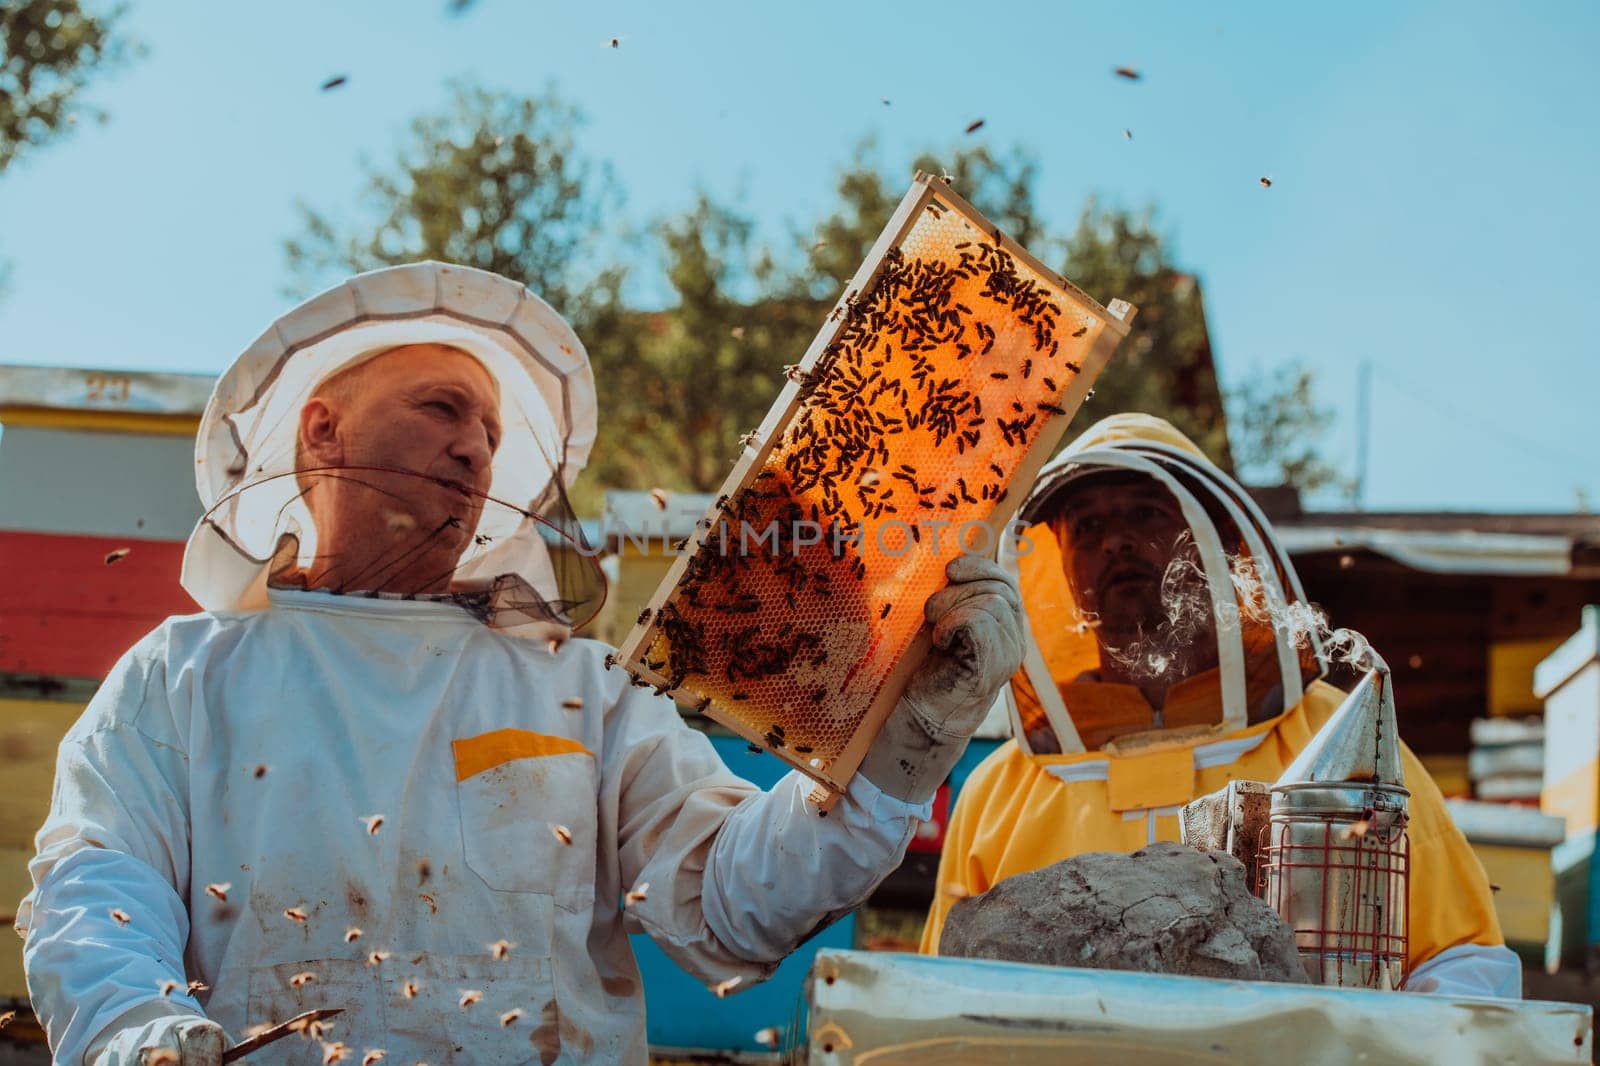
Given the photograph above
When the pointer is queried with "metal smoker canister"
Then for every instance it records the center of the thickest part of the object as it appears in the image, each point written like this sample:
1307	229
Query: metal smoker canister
1336	858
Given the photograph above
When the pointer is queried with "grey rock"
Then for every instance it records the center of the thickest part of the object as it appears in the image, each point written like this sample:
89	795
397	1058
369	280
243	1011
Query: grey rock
1165	908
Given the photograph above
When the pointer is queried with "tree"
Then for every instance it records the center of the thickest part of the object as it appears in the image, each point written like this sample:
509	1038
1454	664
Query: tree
1164	366
1277	428
48	50
499	182
1000	187
683	388
496	182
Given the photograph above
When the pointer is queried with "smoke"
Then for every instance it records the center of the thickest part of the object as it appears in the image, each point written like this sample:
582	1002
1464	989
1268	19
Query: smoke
1182	640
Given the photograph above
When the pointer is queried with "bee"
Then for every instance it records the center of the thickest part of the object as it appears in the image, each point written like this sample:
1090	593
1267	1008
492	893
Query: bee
5	1018
510	1017
377	957
301	979
198	986
636	894
334	82
316	1030
659	498
644	616
769	1037
295	914
749	440
253	1031
1266	183
120	916
975	126
375	1055
885	612
614	42
351	935
167	987
118	555
561	833
501	949
373	822
553	645
469	996
722	988
334	1052
1355	830
260	771
409	990
219	889
1127	133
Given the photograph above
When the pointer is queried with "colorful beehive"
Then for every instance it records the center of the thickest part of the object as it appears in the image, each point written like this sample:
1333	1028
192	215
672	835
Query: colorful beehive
97	475
1569	683
949	369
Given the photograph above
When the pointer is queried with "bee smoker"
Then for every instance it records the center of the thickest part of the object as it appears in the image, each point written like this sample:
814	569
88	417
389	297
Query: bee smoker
1335	861
1326	844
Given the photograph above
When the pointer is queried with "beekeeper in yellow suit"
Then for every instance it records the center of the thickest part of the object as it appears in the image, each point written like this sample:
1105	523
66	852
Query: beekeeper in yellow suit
1132	700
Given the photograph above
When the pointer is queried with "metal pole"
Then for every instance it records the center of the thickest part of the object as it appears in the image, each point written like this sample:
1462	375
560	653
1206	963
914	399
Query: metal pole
1363	429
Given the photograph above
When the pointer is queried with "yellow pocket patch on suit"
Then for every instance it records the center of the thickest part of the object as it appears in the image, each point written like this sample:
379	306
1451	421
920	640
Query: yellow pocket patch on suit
485	751
1160	779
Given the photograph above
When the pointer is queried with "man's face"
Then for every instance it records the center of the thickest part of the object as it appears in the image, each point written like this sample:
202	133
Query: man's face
426	409
1118	536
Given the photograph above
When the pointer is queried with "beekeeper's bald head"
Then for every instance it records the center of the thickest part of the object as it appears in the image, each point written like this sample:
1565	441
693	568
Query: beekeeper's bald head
410	356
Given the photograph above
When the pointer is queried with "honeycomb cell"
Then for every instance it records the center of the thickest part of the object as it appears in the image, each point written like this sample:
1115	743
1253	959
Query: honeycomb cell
940	379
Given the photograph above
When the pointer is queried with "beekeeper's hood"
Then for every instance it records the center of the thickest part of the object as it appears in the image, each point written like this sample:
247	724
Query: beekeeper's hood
526	544
1054	700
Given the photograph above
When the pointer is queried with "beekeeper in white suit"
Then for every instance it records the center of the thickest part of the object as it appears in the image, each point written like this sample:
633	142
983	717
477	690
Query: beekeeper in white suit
340	787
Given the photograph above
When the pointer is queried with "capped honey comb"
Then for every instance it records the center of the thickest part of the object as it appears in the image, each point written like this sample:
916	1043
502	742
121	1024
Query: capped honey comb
948	371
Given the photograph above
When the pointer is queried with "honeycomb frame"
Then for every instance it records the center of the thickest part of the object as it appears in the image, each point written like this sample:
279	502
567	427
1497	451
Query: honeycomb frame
836	739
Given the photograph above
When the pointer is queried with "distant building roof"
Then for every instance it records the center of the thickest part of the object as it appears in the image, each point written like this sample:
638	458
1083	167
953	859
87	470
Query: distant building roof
51	388
1558	544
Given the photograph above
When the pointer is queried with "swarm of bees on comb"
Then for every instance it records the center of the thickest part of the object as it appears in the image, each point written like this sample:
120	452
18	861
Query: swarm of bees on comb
950	368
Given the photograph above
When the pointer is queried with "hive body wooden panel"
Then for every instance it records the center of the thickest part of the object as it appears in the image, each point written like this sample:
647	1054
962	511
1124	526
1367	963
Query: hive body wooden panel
946	373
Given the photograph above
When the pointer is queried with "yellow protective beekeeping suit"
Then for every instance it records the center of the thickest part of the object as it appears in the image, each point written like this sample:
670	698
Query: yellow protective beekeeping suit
1021	810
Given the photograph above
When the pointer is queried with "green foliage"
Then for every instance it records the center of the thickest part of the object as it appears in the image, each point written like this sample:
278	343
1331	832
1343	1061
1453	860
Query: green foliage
678	387
1002	188
500	182
1276	425
495	182
48	50
1164	366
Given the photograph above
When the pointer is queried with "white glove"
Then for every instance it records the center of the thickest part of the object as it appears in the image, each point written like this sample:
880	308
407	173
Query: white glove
977	646
170	1039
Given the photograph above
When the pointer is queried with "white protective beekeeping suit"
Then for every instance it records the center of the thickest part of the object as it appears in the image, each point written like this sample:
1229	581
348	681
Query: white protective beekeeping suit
212	812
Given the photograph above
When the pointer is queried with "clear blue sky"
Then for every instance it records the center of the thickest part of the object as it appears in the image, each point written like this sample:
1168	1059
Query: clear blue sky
1433	206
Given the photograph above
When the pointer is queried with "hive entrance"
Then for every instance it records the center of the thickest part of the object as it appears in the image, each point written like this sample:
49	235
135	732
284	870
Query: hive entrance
949	369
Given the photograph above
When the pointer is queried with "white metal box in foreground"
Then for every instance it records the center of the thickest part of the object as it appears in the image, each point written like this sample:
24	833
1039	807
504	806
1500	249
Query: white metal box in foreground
913	1010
